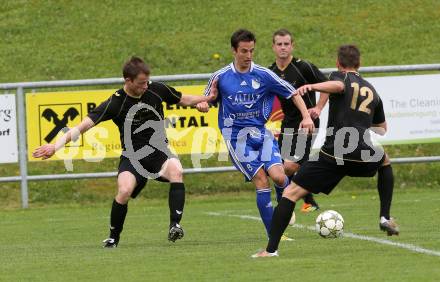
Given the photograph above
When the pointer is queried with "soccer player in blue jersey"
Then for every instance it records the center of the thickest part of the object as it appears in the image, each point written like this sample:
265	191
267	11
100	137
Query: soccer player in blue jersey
246	92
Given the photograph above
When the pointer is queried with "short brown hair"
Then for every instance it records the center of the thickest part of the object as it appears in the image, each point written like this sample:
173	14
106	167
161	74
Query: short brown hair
133	67
282	32
349	56
242	35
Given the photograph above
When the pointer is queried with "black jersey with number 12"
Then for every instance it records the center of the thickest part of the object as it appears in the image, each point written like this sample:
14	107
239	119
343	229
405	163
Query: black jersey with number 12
351	113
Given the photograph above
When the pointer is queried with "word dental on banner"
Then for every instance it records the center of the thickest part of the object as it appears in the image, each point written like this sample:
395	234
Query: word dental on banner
8	129
412	109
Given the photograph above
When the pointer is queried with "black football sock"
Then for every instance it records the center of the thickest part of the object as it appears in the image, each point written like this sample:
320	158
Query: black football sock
385	186
280	221
309	199
176	201
117	218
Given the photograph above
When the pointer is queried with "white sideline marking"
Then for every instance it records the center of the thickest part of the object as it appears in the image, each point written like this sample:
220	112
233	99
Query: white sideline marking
410	247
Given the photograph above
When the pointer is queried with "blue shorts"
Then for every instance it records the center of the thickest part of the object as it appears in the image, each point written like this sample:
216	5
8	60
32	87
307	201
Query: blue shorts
250	153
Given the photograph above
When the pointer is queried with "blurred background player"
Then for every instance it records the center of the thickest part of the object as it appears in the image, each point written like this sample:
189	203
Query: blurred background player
298	73
246	92
137	110
355	108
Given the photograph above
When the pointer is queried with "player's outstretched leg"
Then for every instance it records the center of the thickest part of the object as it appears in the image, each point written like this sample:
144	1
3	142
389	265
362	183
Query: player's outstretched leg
280	221
176	202
117	218
385	186
281	181
265	207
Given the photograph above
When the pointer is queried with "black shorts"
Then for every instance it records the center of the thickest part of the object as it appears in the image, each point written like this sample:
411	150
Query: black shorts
152	163
323	175
299	150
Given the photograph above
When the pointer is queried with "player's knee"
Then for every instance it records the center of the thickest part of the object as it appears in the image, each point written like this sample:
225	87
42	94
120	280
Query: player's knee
176	175
386	160
290	168
174	171
260	180
288	193
294	192
124	192
279	179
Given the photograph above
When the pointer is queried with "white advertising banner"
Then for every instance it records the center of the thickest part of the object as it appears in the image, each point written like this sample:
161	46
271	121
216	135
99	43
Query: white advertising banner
8	129
412	109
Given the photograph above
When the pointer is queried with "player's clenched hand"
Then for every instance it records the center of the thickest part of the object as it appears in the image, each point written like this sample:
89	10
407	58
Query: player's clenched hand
304	89
314	112
46	151
202	107
307	125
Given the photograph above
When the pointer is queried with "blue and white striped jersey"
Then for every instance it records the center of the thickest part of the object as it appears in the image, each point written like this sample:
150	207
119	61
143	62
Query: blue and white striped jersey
246	99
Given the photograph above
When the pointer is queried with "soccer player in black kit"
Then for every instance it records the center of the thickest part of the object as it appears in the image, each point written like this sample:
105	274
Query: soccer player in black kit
297	72
137	111
355	108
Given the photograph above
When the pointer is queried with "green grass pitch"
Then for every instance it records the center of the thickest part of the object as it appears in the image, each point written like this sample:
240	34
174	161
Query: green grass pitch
222	231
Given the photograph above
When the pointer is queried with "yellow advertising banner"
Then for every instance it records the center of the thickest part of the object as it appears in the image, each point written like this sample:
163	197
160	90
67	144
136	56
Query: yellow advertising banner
50	114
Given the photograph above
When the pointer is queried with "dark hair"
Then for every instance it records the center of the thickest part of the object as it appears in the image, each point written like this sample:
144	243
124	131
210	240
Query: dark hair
349	56
133	67
282	32
242	35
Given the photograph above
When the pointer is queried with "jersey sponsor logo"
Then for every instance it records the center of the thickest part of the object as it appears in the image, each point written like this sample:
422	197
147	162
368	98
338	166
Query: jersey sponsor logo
57	118
245	99
247	115
243	83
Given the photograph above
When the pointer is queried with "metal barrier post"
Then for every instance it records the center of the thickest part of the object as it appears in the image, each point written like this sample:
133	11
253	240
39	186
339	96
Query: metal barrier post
22	150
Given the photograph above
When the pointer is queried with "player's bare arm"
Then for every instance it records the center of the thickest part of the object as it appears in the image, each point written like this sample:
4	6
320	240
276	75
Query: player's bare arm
204	106
315	112
307	123
191	100
380	128
48	150
328	87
